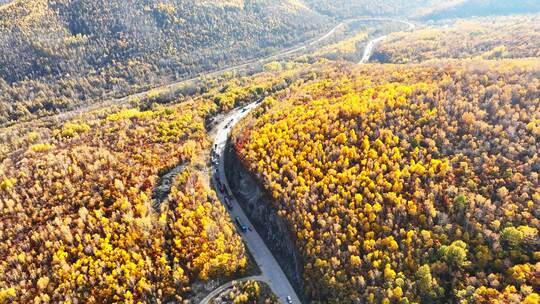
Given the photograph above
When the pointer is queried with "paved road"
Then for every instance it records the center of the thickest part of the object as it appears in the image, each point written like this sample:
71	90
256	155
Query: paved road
368	51
272	274
224	287
279	55
244	65
124	100
305	46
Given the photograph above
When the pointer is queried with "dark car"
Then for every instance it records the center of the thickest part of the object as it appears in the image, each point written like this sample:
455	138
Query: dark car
240	225
222	188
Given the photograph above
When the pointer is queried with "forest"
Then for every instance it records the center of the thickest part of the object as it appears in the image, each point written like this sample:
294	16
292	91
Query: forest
356	35
79	217
77	52
491	38
246	292
414	178
404	184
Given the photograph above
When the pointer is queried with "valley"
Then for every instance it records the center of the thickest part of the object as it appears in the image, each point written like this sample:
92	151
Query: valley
157	151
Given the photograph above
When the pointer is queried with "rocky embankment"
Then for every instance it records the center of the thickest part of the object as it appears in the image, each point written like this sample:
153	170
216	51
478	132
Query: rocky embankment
257	204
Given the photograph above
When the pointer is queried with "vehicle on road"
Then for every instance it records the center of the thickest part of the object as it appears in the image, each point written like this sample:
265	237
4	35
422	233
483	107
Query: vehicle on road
222	188
242	227
289	300
228	204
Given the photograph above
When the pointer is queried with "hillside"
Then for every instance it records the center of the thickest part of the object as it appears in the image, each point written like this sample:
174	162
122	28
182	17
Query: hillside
56	55
126	176
82	218
355	8
246	292
490	38
358	34
468	8
78	223
411	183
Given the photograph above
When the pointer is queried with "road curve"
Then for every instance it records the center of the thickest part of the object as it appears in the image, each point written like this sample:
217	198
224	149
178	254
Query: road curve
272	274
246	64
228	285
368	51
124	100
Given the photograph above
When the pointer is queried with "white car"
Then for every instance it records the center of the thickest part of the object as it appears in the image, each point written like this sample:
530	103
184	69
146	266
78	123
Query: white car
289	300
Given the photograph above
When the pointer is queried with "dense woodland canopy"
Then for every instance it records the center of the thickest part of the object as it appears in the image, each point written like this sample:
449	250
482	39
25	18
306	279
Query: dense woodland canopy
407	183
77	220
79	216
412	183
486	38
251	292
55	55
357	34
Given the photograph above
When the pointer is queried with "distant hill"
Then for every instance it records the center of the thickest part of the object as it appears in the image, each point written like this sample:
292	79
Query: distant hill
64	36
490	38
356	8
469	8
53	53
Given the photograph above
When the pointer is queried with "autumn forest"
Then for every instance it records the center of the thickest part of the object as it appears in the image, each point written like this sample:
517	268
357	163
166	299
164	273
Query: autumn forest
289	151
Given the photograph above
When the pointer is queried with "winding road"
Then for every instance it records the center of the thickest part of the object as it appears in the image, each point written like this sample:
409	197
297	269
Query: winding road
368	51
271	272
246	64
230	284
124	100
